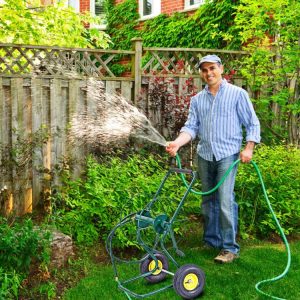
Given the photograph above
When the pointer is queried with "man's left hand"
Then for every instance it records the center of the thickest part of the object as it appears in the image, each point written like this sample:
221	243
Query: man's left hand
246	156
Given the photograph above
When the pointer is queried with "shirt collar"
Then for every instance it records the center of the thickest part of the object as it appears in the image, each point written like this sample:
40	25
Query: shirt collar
222	86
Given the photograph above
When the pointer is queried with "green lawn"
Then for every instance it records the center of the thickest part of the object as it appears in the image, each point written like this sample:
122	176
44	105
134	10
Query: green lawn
258	261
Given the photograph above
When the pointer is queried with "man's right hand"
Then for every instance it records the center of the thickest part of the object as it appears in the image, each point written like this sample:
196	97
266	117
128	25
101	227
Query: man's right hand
172	148
182	139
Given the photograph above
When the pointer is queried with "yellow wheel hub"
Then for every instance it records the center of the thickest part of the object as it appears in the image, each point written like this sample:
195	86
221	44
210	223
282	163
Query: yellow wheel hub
190	282
152	266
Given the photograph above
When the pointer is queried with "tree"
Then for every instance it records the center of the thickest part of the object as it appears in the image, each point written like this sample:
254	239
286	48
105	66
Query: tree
270	32
30	23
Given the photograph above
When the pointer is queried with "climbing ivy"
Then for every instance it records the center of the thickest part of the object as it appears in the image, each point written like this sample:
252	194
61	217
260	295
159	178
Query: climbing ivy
122	20
208	27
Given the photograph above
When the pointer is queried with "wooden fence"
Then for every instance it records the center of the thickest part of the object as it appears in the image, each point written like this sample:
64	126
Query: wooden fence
40	89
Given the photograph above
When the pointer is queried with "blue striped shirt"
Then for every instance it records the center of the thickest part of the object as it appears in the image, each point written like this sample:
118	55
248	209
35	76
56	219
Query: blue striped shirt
218	121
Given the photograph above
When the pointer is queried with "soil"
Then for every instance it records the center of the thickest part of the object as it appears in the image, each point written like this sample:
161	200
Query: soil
63	278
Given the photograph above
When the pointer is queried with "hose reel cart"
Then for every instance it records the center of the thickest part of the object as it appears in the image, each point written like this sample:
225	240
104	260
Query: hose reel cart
188	280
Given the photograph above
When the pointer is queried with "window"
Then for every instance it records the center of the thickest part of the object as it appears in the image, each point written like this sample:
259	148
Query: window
193	3
74	4
97	9
149	8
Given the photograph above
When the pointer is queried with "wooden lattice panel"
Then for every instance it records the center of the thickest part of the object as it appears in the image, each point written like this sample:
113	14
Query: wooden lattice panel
163	61
19	59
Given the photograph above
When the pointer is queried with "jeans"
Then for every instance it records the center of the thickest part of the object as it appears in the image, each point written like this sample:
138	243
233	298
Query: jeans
219	209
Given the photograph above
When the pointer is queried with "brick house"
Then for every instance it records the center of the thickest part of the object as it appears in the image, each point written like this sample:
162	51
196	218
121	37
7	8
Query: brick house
147	8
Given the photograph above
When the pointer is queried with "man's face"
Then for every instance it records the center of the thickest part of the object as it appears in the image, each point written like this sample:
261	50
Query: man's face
211	73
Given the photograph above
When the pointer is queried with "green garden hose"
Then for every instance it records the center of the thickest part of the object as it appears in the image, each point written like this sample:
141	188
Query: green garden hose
257	286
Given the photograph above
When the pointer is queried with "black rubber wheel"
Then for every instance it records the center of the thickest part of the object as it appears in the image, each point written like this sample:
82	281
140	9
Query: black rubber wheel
189	281
148	265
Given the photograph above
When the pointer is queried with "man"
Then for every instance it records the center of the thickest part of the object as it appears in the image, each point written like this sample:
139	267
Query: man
217	115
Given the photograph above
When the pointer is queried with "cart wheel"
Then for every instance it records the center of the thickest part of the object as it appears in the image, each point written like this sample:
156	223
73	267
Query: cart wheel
189	281
148	265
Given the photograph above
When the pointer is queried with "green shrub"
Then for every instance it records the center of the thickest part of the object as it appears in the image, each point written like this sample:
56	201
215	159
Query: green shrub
9	284
111	191
279	167
20	244
91	207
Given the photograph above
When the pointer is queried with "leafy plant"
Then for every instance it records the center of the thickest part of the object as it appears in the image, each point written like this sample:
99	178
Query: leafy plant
9	284
280	171
47	290
170	105
122	20
207	28
20	245
110	191
269	32
204	29
22	22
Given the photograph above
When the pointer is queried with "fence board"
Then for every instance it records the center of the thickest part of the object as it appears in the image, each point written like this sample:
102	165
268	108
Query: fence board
126	90
58	123
198	83
111	87
18	134
2	102
37	123
6	176
6	140
27	117
76	105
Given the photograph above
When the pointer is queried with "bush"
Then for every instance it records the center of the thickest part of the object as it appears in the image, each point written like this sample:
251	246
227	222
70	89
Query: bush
91	207
9	284
279	167
20	244
111	191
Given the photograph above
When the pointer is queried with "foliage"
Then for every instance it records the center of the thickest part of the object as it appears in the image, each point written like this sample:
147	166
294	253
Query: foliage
87	209
112	190
280	171
269	31
122	20
20	244
9	284
24	22
47	290
207	28
18	156
166	101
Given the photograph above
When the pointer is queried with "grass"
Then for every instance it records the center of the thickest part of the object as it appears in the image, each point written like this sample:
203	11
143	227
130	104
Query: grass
258	261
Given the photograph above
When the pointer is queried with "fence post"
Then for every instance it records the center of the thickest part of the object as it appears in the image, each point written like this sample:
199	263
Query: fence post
137	45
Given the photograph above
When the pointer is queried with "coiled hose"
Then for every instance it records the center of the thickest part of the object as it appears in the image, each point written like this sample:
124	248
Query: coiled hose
257	286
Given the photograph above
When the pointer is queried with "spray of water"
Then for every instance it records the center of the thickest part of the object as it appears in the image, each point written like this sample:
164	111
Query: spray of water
109	120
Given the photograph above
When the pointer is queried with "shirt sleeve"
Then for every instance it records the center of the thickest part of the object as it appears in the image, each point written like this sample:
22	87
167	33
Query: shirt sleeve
191	125
248	118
